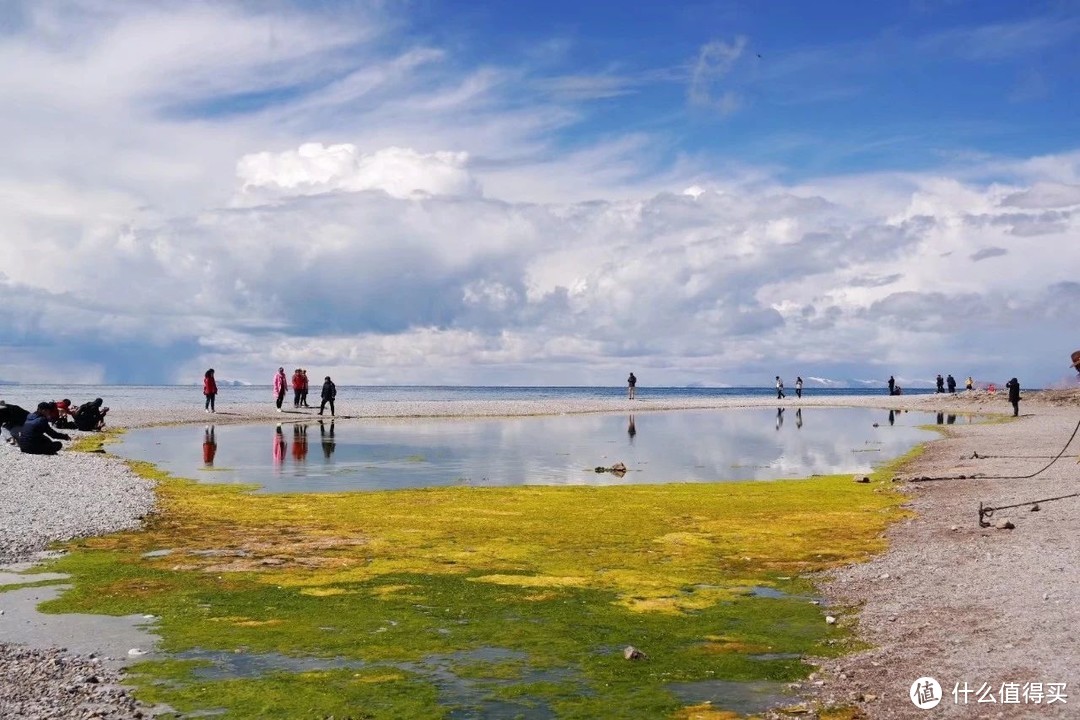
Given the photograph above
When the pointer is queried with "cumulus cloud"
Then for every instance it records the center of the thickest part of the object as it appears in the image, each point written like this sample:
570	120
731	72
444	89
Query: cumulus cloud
163	211
314	169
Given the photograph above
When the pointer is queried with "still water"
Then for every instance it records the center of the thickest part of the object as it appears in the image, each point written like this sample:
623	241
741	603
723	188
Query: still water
655	447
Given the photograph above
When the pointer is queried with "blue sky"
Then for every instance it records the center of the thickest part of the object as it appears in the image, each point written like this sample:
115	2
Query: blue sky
539	193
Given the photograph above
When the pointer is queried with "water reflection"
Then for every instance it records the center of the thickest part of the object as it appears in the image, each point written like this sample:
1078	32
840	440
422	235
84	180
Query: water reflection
299	444
279	446
326	439
680	446
209	446
892	417
779	417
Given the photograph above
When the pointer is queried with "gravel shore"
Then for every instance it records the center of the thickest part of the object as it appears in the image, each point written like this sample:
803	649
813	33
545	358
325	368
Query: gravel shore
949	599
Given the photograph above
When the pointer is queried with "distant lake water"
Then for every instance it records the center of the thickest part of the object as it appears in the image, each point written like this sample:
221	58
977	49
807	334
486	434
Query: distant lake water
655	447
172	395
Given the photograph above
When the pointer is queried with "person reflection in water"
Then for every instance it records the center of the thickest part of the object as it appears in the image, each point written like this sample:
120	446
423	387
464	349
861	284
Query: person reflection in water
299	442
798	418
209	446
631	430
950	419
327	439
941	418
779	418
279	446
892	417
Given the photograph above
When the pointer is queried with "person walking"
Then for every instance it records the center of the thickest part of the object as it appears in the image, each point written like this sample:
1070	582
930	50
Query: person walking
329	392
631	384
779	388
1014	395
950	381
281	384
209	389
798	386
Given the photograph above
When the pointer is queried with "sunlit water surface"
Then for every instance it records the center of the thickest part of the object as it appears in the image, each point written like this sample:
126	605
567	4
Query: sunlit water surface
655	447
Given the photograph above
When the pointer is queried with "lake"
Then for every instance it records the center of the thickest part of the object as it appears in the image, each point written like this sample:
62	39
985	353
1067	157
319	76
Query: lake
655	447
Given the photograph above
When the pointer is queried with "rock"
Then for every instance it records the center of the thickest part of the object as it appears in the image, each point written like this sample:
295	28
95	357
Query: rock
1004	524
862	479
1035	508
867	697
883	576
632	653
136	652
829	619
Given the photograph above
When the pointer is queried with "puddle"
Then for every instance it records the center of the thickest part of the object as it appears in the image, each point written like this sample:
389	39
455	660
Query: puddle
109	637
225	665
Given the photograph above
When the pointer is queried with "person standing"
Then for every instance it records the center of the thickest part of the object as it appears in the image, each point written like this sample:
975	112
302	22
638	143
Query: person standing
779	388
329	392
940	383
970	384
631	385
1014	395
209	389
798	386
951	382
303	388
892	385
281	384
297	383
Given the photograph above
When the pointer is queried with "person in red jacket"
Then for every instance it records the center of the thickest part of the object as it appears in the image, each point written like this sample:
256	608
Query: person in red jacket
297	387
209	389
303	388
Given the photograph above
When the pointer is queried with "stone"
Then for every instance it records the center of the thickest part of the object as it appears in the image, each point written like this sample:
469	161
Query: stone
862	479
1004	524
632	653
829	619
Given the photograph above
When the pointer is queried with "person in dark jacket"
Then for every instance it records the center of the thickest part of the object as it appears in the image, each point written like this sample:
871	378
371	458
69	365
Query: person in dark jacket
90	417
12	418
329	392
1014	395
34	438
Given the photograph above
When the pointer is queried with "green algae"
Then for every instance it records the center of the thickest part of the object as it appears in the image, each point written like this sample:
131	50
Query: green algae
561	578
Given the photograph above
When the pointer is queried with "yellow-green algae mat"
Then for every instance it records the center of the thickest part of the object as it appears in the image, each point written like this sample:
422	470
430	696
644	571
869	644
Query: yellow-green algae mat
527	596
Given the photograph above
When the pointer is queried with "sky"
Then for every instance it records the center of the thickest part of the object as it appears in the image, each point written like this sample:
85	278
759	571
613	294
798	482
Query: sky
540	193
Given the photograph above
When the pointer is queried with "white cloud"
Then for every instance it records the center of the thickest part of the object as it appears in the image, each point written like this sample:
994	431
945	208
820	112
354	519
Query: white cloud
314	169
164	209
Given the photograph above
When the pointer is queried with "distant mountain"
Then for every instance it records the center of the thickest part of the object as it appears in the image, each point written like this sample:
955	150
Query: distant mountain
8	382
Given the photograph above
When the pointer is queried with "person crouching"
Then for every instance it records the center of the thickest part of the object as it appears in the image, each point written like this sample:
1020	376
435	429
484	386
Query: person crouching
36	431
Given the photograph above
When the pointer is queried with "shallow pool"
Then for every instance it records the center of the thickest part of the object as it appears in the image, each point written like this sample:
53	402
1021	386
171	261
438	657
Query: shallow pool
655	447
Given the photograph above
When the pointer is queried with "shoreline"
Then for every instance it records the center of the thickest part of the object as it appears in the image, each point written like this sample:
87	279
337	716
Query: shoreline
931	580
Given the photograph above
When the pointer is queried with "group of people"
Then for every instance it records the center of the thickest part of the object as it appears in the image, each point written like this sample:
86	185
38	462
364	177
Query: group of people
950	381
281	386
780	387
300	390
37	433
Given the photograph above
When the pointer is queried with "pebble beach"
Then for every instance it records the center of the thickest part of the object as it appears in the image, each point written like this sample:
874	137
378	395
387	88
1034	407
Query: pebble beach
949	598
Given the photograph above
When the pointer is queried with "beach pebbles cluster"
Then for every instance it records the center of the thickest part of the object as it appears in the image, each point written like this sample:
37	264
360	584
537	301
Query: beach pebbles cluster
42	500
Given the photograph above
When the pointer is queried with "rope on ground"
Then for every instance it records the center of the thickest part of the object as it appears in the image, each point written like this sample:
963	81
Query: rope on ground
987	511
1041	470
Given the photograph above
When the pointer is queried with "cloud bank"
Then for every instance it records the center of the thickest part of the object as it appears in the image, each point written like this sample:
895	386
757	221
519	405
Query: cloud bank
388	216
